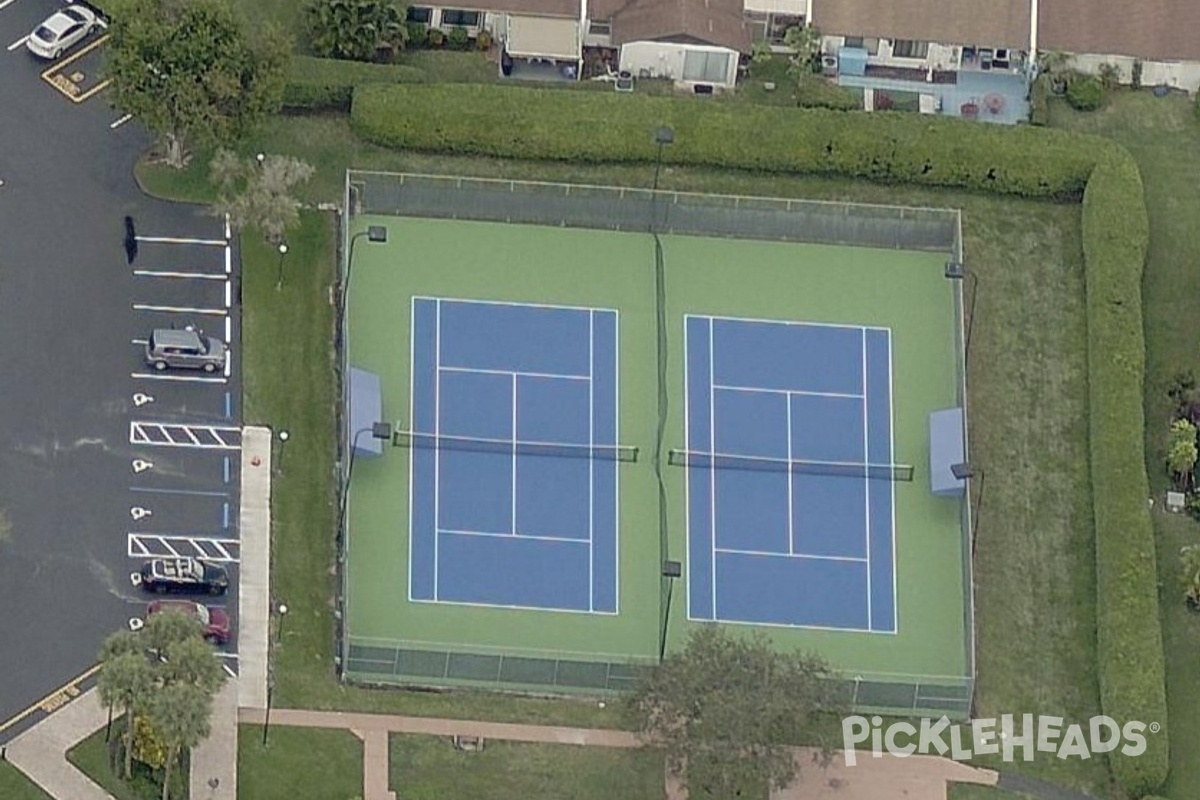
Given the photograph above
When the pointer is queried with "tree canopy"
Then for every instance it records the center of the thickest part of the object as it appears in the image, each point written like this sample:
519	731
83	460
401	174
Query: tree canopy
726	710
358	30
190	72
259	193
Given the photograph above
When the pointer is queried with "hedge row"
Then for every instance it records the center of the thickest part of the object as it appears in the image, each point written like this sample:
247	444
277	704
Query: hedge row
320	84
1129	639
516	122
1031	161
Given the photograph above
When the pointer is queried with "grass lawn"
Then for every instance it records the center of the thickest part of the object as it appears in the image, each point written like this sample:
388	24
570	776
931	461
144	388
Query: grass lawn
299	763
1162	136
430	768
15	786
1035	565
967	791
91	757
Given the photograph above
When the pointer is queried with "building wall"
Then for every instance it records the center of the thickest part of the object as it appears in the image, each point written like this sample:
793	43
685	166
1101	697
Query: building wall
666	60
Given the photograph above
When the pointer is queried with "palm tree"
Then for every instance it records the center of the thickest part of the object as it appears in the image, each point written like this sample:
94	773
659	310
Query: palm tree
356	29
126	681
180	715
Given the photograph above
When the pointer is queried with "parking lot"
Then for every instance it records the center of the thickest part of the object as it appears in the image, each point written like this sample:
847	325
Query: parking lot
105	461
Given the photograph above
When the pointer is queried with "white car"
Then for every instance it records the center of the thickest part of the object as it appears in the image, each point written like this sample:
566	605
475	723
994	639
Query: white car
61	31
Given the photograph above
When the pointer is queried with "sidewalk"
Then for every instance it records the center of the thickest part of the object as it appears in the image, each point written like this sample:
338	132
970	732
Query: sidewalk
40	752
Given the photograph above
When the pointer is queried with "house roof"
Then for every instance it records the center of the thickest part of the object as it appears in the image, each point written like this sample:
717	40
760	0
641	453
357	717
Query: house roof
715	22
541	8
988	23
1160	30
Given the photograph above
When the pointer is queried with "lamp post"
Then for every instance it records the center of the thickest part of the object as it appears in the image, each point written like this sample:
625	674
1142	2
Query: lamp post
283	609
965	472
283	249
378	430
283	439
376	234
956	271
663	137
260	158
270	693
670	570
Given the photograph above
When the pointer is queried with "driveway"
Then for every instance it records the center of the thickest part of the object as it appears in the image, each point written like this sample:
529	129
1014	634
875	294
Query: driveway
101	463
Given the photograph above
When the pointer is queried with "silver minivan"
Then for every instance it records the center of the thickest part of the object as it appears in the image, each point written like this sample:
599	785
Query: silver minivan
186	348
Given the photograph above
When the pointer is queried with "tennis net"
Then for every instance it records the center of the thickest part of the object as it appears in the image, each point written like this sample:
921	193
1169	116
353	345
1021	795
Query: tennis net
594	452
693	458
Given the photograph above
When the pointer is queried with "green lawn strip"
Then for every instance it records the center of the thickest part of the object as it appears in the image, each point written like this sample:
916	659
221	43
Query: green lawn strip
1160	133
1041	658
299	762
15	786
453	66
91	757
431	768
968	791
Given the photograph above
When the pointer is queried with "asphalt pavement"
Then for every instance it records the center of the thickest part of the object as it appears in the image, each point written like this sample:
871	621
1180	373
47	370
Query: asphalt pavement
87	486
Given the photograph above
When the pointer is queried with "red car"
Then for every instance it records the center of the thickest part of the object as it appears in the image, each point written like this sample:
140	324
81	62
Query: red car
214	619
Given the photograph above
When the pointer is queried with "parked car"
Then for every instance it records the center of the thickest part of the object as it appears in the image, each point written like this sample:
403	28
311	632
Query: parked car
163	575
214	619
62	30
185	348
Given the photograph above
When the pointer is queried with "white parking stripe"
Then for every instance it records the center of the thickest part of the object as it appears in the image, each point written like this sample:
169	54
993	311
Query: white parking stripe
173	240
6	4
216	312
18	43
228	294
204	276
154	376
118	123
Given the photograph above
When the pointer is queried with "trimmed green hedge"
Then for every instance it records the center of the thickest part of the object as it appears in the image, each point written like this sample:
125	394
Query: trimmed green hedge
1039	101
319	84
512	122
1129	638
516	122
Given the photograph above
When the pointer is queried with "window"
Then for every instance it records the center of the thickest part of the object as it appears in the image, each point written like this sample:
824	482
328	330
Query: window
907	48
455	16
600	28
705	67
853	41
777	26
419	14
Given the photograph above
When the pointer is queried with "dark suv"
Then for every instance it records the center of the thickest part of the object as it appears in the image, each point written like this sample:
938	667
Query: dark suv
186	348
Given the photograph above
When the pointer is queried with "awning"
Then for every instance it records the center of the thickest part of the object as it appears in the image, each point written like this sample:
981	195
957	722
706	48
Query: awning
543	37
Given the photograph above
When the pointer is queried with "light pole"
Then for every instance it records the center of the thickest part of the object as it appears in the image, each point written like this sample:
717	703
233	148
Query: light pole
376	234
283	249
270	693
283	439
956	271
260	158
283	609
965	472
378	430
670	570
663	137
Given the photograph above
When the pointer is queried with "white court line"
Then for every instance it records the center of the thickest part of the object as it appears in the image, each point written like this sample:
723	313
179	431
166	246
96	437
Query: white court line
763	390
156	376
529	537
591	461
203	276
616	476
687	478
465	302
794	627
542	609
712	473
119	122
789	322
790	500
215	312
767	553
412	453
514	454
517	373
18	43
892	522
437	430
866	460
174	240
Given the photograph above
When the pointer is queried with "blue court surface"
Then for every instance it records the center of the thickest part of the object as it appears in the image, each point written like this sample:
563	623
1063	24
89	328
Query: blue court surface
789	521
509	504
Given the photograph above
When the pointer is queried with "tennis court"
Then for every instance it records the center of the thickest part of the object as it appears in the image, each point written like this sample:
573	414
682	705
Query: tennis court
602	438
789	474
514	455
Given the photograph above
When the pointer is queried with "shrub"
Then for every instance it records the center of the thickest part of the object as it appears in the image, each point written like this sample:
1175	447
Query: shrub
1110	76
458	38
316	84
813	91
1136	74
418	34
355	29
483	41
1085	93
436	38
1039	101
1129	639
883	101
531	123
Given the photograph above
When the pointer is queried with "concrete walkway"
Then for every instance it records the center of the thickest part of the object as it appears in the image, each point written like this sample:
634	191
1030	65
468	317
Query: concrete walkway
214	761
41	751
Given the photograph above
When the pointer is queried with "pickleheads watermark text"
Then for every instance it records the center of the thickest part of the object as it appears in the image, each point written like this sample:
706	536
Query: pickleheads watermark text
1006	736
